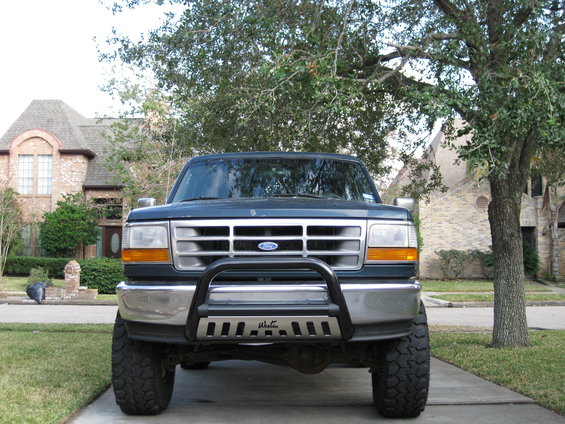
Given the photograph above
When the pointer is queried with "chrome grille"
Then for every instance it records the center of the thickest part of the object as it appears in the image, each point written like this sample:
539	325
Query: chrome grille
198	243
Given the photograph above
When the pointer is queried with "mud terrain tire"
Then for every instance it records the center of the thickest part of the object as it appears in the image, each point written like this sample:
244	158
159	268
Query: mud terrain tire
401	379
142	385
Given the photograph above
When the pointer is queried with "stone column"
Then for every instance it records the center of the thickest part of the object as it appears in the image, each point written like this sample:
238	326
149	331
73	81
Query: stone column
72	279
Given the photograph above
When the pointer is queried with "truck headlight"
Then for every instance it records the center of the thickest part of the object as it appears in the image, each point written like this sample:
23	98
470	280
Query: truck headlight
146	243
391	241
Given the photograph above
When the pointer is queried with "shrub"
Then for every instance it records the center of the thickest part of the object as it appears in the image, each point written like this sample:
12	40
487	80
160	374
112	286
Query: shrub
451	262
38	275
101	273
22	265
74	221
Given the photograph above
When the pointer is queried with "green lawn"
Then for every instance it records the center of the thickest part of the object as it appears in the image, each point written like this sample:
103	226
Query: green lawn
536	371
471	286
113	297
489	297
20	283
48	371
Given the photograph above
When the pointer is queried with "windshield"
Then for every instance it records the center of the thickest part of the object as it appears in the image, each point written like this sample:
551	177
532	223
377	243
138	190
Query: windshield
274	177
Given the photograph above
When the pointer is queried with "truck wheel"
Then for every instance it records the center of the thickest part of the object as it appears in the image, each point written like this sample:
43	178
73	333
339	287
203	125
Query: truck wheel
401	380
142	385
189	365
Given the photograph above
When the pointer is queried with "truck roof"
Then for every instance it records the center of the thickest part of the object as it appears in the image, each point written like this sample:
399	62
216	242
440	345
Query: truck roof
292	155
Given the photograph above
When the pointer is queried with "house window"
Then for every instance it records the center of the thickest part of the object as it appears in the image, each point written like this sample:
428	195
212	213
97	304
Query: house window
25	174
537	185
27	240
44	174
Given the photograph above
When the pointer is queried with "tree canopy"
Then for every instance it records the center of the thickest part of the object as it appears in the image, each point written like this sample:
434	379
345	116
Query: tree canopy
342	75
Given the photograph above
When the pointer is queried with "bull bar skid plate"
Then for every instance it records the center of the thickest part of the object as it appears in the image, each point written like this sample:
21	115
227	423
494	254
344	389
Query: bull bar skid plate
254	322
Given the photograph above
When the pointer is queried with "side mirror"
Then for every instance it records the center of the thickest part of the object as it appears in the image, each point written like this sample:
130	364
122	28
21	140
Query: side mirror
405	202
146	202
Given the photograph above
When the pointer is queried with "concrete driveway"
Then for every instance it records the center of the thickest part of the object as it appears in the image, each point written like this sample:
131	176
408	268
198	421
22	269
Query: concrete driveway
238	392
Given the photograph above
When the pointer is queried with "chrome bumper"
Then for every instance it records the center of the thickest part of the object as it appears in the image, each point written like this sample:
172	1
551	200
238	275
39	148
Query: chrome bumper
368	304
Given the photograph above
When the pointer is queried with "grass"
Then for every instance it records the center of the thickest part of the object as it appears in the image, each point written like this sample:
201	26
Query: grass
536	371
113	297
471	286
489	297
48	371
20	283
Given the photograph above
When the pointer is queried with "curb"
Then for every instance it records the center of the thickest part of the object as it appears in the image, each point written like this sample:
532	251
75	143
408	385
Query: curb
58	302
447	304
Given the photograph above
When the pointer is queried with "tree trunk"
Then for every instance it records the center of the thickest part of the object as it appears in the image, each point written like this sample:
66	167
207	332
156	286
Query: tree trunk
510	324
553	228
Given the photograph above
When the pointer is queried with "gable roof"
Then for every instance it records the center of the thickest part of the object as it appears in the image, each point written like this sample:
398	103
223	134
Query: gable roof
78	134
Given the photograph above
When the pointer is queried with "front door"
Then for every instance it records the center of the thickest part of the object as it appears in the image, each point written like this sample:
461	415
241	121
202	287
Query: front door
112	242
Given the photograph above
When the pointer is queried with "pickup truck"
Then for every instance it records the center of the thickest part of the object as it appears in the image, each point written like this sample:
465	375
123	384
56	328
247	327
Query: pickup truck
285	258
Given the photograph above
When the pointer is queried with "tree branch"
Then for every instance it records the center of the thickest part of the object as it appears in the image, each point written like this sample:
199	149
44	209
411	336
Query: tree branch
452	11
522	16
554	43
342	32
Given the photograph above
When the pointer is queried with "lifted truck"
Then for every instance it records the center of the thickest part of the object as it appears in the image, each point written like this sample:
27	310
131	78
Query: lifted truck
286	258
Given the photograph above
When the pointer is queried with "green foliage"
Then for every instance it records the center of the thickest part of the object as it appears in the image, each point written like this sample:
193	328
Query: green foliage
22	265
266	76
10	225
101	273
38	275
75	221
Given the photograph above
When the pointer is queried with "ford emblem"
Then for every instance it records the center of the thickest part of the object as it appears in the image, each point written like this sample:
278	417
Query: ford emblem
268	245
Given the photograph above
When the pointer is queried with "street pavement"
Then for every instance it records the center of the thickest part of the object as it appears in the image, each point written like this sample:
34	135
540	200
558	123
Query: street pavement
546	317
251	392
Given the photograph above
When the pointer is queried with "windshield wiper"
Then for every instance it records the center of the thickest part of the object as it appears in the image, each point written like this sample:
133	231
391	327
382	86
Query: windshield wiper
310	196
201	198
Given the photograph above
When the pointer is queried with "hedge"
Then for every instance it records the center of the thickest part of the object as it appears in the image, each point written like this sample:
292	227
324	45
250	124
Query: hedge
22	265
96	273
101	273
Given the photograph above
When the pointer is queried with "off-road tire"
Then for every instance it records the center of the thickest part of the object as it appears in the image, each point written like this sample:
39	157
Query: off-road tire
142	385
189	365
402	375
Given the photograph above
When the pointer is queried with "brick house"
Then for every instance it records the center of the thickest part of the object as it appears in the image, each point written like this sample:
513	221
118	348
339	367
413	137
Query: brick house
458	218
52	150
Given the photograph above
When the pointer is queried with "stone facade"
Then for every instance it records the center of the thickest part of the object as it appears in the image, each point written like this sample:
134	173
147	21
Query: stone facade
458	219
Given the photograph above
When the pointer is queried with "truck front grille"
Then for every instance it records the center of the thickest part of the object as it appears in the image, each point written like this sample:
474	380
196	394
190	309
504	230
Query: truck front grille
198	243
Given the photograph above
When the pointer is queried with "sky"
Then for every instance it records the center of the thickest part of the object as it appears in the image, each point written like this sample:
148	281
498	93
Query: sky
47	51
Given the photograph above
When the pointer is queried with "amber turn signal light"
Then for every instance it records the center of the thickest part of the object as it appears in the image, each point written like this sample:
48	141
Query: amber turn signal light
391	254
145	255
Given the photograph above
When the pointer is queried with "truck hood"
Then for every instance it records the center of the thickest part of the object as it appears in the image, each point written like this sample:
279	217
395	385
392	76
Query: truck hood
269	208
